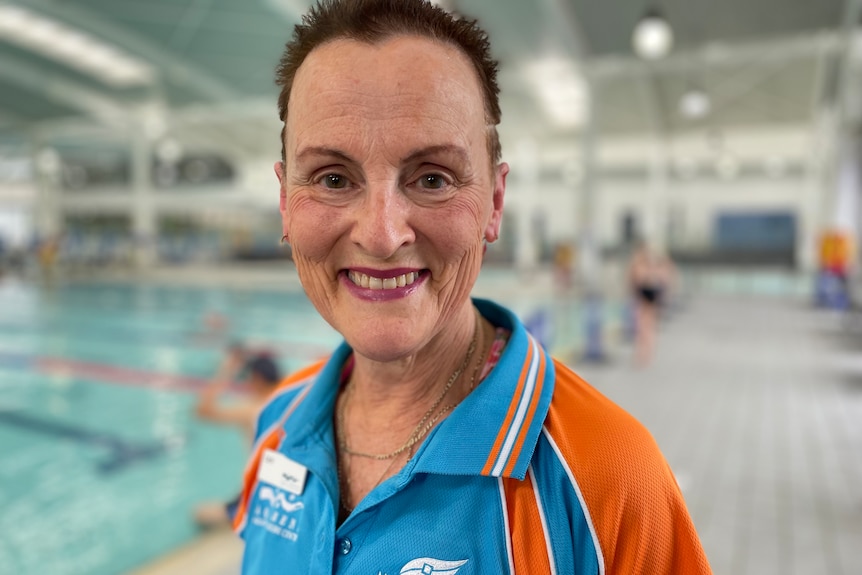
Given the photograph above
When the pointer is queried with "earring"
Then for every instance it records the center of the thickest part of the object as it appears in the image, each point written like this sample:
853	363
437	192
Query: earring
285	239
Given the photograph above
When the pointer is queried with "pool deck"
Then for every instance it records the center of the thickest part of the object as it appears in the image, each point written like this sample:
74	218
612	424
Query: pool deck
215	553
757	404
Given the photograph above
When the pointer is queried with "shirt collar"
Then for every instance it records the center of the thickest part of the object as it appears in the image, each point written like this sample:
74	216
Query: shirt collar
492	432
495	429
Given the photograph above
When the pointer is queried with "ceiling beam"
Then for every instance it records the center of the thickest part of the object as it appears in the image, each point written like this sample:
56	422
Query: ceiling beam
694	61
8	120
187	28
168	63
846	88
62	91
738	87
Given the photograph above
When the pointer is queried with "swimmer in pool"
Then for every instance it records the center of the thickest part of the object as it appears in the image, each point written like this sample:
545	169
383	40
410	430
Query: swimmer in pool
258	375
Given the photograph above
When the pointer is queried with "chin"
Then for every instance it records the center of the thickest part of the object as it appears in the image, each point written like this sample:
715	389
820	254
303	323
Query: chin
380	344
383	353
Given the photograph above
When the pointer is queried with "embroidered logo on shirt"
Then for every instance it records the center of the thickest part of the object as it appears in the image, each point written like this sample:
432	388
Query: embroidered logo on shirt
271	512
427	565
276	499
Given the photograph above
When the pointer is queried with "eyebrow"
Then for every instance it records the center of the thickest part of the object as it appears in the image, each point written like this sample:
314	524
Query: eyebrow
323	151
451	149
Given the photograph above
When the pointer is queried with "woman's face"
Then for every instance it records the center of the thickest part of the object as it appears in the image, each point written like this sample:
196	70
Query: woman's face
388	190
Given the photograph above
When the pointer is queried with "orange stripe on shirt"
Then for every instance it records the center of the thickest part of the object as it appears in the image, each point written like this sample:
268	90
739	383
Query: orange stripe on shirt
531	410
249	482
529	546
631	496
273	439
296	377
510	415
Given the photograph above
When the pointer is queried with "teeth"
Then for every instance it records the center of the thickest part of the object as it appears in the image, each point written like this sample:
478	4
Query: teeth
369	282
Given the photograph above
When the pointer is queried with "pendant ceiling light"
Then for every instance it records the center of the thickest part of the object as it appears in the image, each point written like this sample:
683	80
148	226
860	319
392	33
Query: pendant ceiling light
652	38
695	104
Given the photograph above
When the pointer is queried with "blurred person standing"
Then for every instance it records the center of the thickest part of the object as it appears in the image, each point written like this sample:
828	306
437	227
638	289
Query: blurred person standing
257	375
650	278
564	266
439	437
47	251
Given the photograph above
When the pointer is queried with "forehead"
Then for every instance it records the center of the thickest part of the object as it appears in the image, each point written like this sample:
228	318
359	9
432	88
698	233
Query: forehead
403	79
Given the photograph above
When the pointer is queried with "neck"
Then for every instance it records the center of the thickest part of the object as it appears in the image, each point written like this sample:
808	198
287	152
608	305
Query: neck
381	422
383	403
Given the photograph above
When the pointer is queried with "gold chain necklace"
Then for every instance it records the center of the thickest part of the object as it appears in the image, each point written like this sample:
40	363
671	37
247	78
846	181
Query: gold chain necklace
425	424
344	478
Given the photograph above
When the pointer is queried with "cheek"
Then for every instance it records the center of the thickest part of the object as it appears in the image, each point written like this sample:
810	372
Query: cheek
313	227
459	229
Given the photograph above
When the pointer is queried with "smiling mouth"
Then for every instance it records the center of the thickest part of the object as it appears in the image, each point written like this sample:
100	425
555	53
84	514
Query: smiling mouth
370	282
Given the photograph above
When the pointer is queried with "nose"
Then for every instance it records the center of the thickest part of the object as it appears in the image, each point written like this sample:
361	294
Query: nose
382	220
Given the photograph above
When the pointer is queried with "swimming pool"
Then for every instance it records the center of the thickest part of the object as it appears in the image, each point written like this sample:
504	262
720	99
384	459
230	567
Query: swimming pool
101	458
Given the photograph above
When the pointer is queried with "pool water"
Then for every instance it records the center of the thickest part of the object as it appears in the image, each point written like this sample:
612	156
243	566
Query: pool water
101	457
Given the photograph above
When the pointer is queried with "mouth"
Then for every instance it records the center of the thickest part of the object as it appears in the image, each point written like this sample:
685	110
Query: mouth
366	281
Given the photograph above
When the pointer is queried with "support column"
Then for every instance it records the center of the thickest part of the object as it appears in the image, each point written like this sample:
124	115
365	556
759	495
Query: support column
144	224
843	130
822	143
588	257
526	250
655	224
47	169
655	202
842	191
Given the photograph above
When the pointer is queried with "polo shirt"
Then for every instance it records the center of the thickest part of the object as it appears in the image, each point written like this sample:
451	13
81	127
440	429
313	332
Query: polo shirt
535	472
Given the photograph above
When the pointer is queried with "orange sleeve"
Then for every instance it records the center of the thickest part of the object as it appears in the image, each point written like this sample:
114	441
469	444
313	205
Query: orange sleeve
632	498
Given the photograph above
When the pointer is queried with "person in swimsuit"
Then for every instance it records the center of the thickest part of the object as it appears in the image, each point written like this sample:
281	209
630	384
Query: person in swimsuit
649	280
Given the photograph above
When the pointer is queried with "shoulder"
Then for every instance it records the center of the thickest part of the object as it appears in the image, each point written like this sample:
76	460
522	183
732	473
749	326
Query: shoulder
623	481
288	392
606	450
605	447
581	417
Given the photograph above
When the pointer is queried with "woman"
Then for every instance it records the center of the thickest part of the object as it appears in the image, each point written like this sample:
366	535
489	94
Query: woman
649	277
439	437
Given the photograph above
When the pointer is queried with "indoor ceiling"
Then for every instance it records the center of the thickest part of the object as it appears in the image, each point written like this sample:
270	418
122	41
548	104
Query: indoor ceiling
205	67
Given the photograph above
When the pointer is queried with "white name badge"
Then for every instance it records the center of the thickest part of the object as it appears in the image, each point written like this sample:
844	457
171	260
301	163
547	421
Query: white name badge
282	472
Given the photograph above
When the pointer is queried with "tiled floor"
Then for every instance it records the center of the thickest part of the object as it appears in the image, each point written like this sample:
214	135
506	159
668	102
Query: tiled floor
757	404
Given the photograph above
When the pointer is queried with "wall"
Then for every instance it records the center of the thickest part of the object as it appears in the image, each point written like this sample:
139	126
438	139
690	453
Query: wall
698	202
691	176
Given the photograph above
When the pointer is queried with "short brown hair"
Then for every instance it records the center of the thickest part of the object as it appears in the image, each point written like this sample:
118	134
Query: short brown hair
376	20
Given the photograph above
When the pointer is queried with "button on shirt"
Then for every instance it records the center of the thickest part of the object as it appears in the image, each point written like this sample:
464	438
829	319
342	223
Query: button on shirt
345	546
530	474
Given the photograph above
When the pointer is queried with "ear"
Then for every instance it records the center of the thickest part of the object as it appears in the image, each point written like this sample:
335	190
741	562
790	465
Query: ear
279	173
282	195
492	230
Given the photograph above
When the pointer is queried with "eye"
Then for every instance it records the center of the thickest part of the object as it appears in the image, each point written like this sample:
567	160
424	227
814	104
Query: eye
334	181
432	182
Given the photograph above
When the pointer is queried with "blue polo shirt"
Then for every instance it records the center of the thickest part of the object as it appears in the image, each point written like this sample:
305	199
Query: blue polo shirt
494	488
